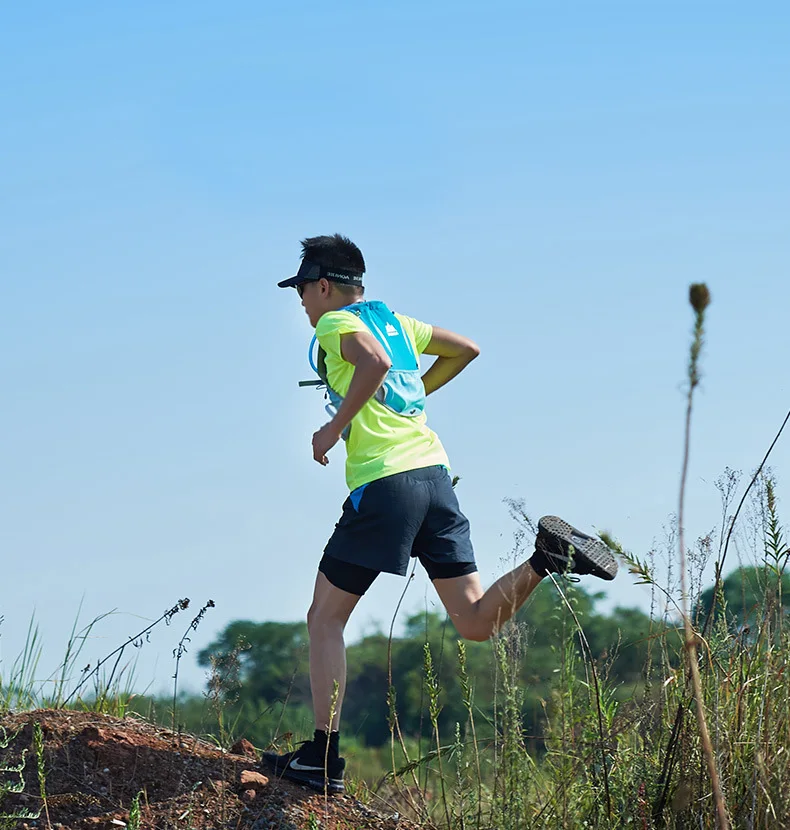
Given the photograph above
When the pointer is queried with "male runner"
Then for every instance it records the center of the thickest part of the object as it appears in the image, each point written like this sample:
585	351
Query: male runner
401	503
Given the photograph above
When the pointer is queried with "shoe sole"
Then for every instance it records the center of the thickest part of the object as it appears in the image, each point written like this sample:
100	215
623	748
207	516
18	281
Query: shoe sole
331	785
590	552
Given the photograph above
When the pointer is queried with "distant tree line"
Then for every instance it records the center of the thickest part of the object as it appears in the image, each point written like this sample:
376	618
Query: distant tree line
261	683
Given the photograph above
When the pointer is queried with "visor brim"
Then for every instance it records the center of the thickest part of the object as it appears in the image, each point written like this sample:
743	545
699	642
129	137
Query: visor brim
291	282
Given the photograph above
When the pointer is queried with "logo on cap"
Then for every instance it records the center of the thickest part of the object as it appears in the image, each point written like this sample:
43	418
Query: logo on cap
333	275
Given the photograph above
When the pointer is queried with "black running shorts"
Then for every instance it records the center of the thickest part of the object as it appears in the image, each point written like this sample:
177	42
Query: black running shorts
388	521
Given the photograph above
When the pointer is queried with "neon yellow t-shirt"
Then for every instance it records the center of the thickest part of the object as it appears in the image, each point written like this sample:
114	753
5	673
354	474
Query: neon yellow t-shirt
381	443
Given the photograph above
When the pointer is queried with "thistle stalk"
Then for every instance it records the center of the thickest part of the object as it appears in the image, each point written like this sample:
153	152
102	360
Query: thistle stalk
699	297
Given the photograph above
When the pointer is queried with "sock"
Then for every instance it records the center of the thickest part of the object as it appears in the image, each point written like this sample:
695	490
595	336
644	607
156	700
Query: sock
539	562
320	739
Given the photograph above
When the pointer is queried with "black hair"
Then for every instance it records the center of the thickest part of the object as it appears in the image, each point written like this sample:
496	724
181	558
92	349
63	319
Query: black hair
350	291
335	251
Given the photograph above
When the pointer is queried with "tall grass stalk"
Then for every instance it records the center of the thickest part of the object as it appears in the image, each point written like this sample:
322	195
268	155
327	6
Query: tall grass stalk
590	665
510	783
332	712
18	691
461	781
467	696
38	743
136	639
699	297
434	709
181	650
74	647
392	716
733	521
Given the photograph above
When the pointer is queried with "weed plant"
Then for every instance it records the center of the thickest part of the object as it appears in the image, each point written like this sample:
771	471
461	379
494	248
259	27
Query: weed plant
705	741
702	740
12	781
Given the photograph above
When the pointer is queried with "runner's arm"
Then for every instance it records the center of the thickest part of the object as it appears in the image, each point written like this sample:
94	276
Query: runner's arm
371	365
454	352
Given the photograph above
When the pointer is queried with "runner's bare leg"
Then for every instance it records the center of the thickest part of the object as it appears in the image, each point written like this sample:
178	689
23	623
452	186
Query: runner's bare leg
326	621
477	613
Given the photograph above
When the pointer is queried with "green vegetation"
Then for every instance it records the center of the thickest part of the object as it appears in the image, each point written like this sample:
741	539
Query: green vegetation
38	745
134	813
539	728
12	781
570	718
272	688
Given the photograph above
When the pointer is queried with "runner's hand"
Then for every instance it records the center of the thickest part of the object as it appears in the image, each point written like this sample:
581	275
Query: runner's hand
323	441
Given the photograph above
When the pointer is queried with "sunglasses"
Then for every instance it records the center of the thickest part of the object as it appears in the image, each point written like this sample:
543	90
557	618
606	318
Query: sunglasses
300	288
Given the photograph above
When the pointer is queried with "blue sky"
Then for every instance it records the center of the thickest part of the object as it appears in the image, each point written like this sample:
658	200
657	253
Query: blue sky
546	178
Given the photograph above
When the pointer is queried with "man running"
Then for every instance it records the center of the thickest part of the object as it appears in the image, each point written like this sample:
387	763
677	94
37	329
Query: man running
402	502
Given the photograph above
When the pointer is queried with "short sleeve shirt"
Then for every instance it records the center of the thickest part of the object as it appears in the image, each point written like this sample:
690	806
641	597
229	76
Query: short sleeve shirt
381	442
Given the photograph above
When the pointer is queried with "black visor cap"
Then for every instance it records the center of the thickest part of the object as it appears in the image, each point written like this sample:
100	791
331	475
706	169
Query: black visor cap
312	271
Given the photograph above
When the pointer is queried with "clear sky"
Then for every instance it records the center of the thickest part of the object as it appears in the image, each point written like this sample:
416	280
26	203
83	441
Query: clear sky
546	178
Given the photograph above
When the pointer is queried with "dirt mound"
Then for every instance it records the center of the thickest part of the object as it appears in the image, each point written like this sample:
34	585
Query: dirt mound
95	765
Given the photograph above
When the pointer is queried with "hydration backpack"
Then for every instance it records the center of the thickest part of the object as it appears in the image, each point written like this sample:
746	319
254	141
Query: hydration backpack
402	390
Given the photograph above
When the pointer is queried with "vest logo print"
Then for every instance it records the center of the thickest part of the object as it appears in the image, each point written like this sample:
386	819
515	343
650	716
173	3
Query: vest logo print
391	330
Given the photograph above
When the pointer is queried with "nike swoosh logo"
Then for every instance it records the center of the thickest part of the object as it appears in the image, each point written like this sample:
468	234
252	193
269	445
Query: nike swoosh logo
302	768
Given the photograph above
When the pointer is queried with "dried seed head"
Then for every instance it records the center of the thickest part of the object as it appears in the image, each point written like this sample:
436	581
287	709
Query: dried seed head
699	296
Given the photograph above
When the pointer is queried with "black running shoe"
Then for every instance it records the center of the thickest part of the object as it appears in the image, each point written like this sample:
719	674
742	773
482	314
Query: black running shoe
309	765
567	550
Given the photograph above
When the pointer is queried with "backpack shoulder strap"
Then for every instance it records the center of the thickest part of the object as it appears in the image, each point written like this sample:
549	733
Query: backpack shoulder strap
388	330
